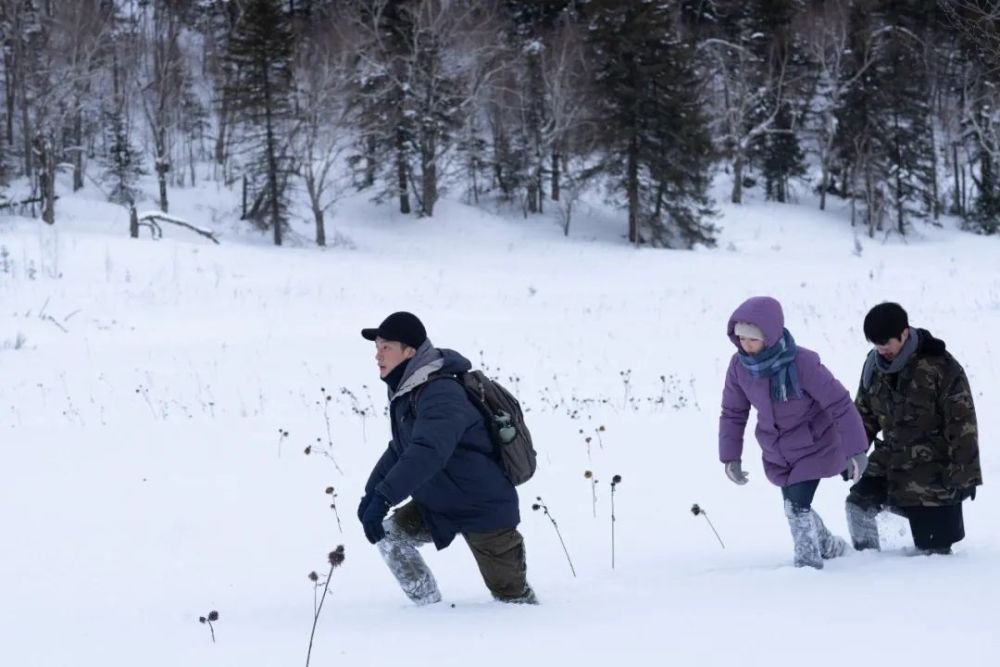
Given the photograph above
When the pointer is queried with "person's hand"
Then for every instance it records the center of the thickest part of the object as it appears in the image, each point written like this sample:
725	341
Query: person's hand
855	468
734	471
372	517
367	498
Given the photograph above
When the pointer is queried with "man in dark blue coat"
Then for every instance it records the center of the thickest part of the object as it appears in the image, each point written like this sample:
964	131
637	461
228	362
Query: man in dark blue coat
441	456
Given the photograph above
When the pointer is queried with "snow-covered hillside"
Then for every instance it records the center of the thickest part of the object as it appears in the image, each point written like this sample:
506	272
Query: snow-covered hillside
158	396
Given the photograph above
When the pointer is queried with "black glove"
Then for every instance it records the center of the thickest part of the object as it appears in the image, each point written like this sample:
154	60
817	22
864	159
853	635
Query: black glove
967	494
367	498
373	516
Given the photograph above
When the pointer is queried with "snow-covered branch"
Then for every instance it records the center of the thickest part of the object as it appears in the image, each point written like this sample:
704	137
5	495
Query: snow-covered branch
152	219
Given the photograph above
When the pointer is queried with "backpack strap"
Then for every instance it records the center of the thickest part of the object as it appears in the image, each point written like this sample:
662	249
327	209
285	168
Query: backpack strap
415	394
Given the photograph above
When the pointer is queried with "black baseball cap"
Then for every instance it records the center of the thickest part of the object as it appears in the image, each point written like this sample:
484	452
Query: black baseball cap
402	327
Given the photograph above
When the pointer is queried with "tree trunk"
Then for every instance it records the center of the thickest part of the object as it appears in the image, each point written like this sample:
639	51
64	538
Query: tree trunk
555	175
49	213
46	178
737	196
900	213
315	197
272	169
824	185
428	167
133	223
320	227
632	188
370	146
540	185
162	166
191	161
935	214
10	85
869	202
965	199
474	177
26	128
161	177
78	148
532	196
957	195
404	197
272	159
567	212
220	140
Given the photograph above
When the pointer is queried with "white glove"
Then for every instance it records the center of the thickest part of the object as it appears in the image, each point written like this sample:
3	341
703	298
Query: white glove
855	468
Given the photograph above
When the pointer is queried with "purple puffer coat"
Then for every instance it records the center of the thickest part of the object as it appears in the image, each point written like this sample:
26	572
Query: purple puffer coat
802	439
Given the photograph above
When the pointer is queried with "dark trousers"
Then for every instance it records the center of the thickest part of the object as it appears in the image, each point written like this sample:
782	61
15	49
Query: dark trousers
933	528
499	554
800	495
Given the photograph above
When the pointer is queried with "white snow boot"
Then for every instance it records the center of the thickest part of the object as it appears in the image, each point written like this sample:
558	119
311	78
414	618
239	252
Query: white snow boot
863	527
399	551
805	535
830	545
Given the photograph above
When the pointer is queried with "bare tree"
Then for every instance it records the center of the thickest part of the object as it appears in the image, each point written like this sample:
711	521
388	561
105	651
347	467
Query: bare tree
261	52
565	73
828	43
552	105
430	63
161	83
743	86
323	75
978	22
531	104
24	36
68	45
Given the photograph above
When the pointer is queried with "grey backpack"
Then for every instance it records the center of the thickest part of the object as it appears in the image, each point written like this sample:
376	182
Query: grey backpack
504	421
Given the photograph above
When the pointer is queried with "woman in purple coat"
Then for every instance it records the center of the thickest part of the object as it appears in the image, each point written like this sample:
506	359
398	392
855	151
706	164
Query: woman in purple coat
807	425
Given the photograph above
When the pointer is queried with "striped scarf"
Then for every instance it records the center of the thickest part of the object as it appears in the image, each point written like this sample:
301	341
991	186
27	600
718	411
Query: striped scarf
778	363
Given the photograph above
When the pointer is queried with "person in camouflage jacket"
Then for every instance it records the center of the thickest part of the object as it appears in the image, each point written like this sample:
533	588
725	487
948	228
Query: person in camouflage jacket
927	461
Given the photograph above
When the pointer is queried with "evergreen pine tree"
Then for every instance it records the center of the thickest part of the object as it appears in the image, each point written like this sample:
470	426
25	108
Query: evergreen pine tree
530	16
653	132
123	162
386	125
861	127
778	150
985	214
260	53
414	91
781	155
906	93
523	146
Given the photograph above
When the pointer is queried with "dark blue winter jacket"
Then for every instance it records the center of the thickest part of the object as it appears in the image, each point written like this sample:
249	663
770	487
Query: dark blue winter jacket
441	454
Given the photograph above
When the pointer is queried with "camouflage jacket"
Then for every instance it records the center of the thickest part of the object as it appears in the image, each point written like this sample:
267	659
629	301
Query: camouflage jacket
929	451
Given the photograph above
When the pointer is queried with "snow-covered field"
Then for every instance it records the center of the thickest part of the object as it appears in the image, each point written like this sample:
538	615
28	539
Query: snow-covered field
147	477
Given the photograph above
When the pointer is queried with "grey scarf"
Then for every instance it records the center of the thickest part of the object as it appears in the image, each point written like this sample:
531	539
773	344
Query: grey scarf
875	361
427	360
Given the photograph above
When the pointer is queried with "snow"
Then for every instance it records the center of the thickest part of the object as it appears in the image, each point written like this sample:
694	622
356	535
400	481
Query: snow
146	481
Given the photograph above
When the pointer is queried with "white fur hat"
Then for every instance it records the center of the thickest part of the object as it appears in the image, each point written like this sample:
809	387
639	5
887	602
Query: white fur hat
747	330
